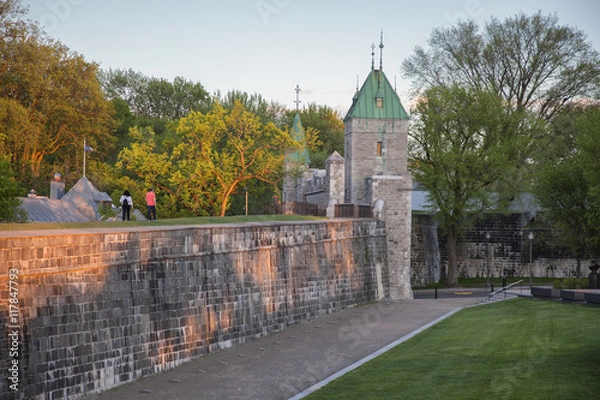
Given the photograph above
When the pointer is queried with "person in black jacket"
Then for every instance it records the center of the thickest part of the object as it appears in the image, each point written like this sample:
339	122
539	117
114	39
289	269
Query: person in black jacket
126	205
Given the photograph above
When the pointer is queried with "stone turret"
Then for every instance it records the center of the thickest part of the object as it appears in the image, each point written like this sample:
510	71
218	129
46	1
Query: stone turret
376	151
375	137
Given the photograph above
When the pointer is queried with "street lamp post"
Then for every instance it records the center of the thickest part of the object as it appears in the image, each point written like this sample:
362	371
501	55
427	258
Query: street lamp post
246	194
489	258
530	259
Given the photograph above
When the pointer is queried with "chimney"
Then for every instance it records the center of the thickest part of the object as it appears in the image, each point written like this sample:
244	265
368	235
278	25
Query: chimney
57	187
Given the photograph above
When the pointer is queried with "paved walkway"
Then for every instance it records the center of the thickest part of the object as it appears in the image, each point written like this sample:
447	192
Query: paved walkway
287	363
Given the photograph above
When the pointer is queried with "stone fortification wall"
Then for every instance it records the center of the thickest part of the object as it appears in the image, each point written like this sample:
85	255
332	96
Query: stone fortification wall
507	250
94	310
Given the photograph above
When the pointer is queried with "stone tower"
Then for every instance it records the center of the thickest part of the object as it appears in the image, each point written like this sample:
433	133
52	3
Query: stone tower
376	152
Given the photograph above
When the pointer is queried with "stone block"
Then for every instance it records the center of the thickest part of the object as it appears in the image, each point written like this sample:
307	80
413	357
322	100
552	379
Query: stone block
592	296
572	295
545	292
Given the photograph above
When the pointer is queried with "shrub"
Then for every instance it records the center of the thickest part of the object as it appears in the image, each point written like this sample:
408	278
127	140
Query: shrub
572	283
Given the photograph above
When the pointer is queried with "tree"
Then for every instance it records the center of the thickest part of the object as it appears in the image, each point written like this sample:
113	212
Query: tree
324	129
12	23
462	145
9	190
530	61
588	129
155	98
564	196
566	184
220	151
50	100
267	111
207	158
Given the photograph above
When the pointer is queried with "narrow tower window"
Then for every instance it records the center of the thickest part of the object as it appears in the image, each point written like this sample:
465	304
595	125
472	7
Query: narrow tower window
379	149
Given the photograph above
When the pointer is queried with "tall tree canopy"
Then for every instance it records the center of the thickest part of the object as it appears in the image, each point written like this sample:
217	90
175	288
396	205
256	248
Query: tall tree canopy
152	97
530	61
462	147
567	186
267	111
210	156
50	100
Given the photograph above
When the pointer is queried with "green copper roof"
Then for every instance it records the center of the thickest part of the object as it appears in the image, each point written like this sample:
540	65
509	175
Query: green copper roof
300	156
364	104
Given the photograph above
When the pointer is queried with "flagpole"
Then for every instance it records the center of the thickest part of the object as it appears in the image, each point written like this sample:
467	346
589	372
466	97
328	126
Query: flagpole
84	155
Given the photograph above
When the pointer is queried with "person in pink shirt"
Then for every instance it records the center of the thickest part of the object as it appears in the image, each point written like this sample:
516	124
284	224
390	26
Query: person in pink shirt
151	204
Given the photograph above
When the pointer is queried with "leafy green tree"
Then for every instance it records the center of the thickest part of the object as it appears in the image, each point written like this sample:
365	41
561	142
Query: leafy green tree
564	194
9	190
588	145
207	159
461	147
154	98
50	100
324	131
223	150
530	61
267	111
566	184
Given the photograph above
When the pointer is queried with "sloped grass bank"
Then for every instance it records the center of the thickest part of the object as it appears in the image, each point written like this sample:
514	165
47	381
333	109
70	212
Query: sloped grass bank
515	349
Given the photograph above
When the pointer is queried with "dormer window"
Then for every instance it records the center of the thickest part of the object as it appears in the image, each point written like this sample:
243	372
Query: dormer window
379	98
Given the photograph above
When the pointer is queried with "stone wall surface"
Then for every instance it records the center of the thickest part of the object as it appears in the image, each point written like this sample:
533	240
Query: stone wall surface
95	310
395	191
508	250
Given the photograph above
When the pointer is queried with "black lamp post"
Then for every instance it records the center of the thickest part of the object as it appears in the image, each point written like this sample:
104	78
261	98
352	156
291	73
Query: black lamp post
530	259
489	258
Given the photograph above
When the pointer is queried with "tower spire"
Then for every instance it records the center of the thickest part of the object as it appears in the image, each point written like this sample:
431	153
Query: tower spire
297	101
372	56
381	51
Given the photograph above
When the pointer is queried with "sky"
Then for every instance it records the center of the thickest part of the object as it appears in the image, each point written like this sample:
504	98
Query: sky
271	46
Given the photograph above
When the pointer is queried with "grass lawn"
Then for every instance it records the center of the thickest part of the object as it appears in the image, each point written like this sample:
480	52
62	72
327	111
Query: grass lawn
495	281
160	222
515	349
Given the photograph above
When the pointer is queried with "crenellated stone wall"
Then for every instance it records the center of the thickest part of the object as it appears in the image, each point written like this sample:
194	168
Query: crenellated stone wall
93	310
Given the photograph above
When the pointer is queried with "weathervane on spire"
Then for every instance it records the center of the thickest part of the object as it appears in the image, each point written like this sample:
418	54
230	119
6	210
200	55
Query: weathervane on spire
372	56
381	52
297	101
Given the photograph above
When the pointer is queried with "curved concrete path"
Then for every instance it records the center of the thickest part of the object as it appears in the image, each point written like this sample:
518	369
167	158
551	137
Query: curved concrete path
288	363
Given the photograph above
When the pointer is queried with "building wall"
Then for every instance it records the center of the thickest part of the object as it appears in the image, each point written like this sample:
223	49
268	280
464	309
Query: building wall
395	191
99	309
425	262
362	162
319	198
335	169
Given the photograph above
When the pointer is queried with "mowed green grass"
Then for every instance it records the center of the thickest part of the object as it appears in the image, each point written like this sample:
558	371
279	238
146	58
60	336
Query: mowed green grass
160	222
515	349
